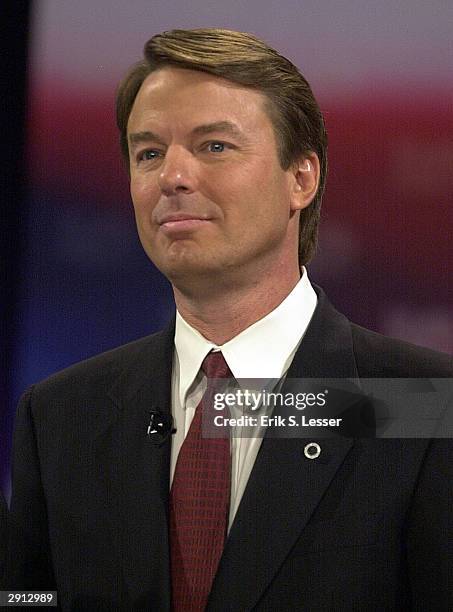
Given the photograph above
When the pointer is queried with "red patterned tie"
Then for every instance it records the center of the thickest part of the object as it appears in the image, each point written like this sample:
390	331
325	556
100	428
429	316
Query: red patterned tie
199	503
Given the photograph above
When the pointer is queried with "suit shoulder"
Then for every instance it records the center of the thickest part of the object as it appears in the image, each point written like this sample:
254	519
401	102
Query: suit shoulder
379	355
100	369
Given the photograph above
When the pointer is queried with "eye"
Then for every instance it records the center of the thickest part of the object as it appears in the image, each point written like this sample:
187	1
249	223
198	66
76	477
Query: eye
216	147
148	155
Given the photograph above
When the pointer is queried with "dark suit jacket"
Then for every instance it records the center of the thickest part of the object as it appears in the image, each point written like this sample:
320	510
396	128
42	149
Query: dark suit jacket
366	526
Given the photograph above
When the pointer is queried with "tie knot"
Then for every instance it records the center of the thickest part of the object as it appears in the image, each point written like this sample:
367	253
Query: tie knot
215	366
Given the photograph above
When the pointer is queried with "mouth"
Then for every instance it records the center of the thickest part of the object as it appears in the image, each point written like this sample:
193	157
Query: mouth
182	223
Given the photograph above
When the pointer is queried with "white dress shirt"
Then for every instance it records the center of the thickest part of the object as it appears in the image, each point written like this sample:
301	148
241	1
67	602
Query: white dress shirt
263	350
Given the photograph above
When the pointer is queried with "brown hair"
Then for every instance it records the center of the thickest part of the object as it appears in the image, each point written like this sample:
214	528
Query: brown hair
244	59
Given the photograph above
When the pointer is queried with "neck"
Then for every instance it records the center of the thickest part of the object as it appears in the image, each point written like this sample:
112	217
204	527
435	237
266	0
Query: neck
221	313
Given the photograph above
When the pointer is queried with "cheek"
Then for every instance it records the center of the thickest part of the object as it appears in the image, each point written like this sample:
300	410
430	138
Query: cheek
234	189
137	188
144	196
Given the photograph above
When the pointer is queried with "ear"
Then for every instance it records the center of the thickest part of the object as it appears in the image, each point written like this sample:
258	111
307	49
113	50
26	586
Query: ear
306	181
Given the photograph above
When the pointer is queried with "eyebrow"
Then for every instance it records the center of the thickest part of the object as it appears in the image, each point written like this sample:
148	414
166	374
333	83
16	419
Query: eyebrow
226	127
219	126
138	137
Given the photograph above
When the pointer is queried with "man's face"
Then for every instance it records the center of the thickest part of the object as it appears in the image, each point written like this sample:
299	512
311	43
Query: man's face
210	197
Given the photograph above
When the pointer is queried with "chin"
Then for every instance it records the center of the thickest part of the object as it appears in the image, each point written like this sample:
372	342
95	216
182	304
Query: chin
186	267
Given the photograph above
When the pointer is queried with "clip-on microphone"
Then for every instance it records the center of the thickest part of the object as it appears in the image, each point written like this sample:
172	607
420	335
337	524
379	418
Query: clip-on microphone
160	426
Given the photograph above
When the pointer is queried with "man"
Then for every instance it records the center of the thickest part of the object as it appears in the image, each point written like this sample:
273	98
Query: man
226	151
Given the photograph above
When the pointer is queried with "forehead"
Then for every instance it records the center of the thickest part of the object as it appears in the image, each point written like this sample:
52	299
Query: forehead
180	95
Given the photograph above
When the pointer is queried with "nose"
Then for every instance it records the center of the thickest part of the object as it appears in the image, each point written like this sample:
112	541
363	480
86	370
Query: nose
177	172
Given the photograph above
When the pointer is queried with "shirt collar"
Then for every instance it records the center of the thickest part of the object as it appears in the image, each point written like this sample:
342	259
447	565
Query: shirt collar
263	350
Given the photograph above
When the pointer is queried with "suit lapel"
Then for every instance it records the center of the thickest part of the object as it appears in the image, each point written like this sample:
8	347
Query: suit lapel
285	487
143	471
